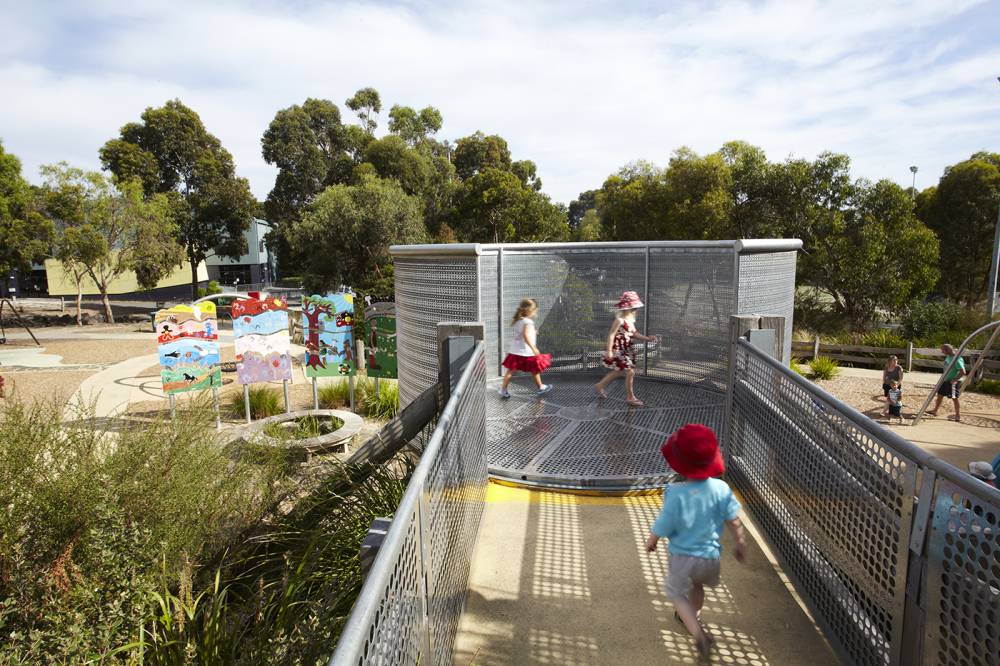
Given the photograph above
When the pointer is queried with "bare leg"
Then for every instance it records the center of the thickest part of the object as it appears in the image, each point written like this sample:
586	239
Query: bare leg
689	616
608	378
538	379
629	392
958	410
506	378
937	406
697	598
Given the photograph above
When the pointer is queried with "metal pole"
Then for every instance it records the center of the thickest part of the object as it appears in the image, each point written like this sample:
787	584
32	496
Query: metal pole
284	388
991	295
218	416
645	318
246	400
970	375
500	318
315	394
173	406
350	385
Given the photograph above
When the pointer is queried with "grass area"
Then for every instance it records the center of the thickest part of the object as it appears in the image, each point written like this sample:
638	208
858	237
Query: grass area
823	368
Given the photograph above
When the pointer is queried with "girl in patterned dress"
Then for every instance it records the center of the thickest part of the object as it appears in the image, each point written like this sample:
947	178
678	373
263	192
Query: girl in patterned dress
619	356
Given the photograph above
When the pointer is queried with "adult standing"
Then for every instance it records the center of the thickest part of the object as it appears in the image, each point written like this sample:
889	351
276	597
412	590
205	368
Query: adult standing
950	386
892	372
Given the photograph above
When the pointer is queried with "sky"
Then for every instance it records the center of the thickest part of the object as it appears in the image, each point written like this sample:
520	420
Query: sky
581	87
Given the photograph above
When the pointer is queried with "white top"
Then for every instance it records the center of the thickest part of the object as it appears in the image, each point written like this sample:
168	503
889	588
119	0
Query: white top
518	344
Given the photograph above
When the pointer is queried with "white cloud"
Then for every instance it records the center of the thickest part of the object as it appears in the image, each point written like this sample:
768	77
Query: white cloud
581	89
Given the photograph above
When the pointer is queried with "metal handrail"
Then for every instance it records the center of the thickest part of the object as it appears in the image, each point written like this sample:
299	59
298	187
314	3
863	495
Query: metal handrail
954	361
747	246
355	632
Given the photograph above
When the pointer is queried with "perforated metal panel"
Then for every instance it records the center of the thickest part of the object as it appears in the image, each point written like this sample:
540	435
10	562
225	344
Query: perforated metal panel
833	498
692	295
963	581
409	608
570	438
429	290
767	287
488	313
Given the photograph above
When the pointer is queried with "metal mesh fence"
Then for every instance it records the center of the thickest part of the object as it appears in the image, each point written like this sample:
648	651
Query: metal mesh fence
963	581
836	496
409	607
834	499
690	288
764	288
429	290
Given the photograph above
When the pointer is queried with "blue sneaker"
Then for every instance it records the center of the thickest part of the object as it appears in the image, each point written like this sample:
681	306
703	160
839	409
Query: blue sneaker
545	389
504	393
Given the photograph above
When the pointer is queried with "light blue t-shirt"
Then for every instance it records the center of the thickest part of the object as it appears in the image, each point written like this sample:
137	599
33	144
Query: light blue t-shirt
693	514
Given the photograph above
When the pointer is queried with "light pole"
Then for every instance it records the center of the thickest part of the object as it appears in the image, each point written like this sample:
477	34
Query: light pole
991	294
913	187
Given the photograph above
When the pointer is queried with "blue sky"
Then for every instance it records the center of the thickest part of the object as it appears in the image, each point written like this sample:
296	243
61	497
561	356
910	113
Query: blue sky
581	88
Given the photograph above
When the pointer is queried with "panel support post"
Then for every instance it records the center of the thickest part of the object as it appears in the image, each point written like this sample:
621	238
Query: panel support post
218	416
739	327
456	342
246	400
284	389
315	394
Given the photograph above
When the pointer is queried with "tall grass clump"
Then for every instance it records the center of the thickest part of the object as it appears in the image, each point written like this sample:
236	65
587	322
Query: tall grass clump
384	403
337	394
824	368
796	366
92	521
264	401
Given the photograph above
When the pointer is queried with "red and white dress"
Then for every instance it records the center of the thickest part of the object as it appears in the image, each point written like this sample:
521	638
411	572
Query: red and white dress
622	354
519	356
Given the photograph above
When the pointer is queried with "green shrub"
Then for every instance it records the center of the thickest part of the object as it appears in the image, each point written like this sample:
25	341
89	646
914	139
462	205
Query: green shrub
989	386
922	319
824	368
211	288
264	401
383	404
796	365
92	519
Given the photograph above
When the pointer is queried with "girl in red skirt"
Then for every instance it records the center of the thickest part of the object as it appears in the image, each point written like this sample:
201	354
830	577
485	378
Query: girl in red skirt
523	354
619	356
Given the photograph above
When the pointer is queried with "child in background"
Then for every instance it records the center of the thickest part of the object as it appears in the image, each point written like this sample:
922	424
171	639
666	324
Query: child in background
895	402
619	355
523	354
694	510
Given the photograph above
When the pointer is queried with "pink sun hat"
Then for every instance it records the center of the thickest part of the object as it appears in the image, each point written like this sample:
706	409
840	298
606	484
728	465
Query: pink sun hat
629	301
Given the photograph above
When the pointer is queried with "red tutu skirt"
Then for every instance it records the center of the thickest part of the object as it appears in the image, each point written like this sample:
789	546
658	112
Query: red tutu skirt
530	364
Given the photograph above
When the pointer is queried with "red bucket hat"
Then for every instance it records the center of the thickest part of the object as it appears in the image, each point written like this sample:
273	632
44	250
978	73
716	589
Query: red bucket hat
693	452
629	301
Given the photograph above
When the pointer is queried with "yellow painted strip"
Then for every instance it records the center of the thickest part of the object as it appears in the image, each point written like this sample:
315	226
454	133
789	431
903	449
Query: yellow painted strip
498	493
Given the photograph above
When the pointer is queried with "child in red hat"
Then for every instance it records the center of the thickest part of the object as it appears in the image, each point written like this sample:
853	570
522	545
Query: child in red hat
694	510
619	356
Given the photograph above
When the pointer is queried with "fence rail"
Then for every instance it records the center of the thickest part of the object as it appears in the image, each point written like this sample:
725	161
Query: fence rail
896	552
410	605
929	358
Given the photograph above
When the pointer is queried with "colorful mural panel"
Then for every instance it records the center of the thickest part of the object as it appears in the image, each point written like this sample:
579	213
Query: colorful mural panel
260	331
188	346
380	346
329	333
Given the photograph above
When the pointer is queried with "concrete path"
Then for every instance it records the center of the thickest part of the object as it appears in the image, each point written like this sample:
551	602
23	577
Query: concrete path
28	357
565	579
115	387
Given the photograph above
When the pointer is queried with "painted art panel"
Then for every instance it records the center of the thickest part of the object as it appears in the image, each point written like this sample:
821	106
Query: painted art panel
187	339
262	344
380	347
328	323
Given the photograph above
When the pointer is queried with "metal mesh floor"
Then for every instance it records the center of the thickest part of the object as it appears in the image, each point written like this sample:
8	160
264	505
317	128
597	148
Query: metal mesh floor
570	439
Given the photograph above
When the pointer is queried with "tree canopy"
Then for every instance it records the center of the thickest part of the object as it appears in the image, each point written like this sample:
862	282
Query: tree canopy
171	152
24	233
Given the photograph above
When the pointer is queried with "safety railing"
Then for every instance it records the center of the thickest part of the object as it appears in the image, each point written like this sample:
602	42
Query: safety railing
895	551
410	605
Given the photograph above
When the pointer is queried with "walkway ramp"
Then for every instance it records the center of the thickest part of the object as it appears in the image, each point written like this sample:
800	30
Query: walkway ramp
564	579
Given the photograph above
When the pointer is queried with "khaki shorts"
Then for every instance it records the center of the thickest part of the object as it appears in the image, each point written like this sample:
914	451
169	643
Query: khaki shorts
686	571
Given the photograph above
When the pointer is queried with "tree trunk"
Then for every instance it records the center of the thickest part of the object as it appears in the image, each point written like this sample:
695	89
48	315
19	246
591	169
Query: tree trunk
79	303
194	276
109	316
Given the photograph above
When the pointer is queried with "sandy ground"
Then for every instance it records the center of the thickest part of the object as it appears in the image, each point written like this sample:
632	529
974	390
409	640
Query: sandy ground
104	352
977	437
30	386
